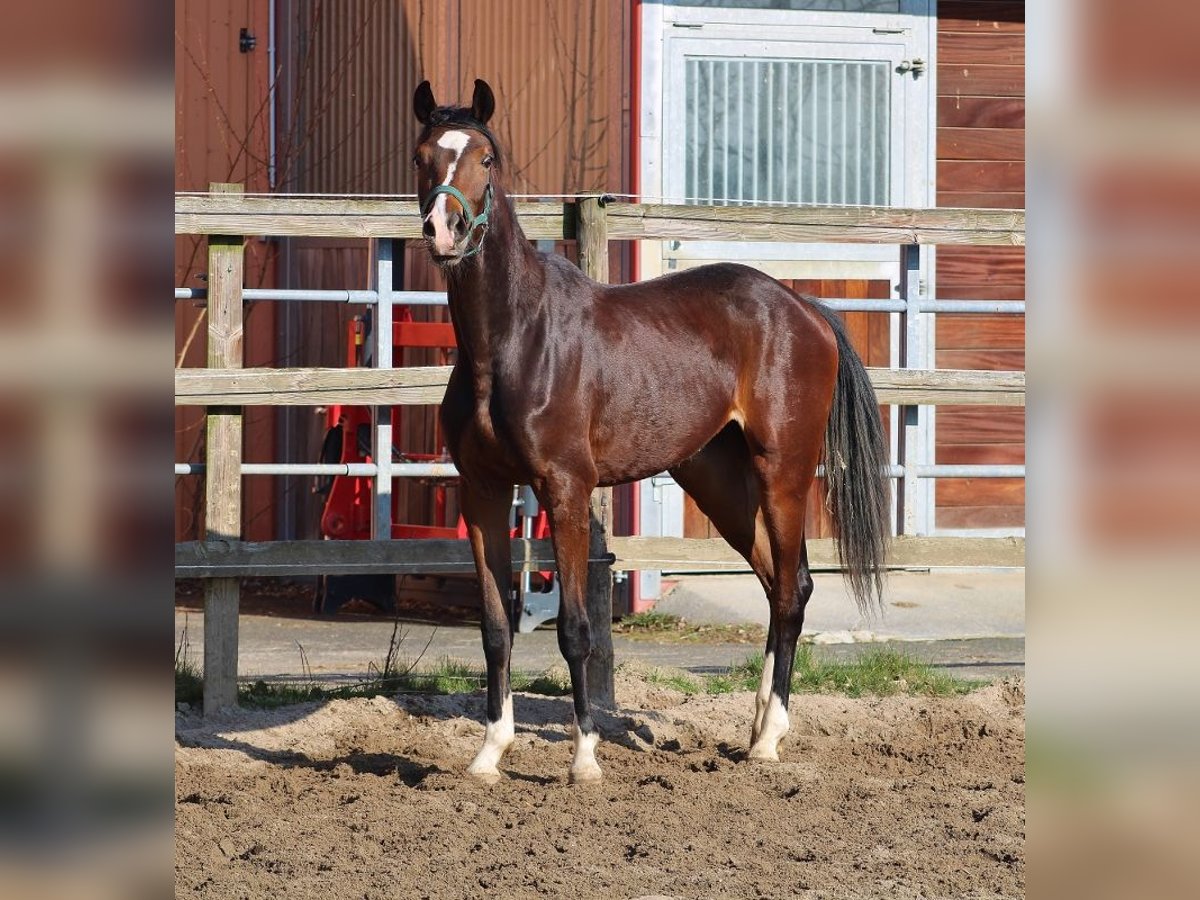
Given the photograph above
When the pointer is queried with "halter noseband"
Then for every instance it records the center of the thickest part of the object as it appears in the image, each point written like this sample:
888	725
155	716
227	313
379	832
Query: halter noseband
473	221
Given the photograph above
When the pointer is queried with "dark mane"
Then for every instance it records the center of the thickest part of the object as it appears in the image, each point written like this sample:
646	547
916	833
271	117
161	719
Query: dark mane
461	117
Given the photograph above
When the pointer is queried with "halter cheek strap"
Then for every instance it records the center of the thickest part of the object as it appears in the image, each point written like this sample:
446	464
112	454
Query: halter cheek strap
473	221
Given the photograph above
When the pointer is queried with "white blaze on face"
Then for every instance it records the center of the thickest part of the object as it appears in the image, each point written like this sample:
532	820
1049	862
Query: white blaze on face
443	237
496	740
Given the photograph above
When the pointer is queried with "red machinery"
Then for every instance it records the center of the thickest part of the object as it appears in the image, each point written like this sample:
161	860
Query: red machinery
348	501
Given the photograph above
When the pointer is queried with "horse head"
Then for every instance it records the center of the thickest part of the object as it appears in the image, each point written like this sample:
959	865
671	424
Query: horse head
455	159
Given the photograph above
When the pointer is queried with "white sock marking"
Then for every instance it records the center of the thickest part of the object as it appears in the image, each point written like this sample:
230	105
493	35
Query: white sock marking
496	739
763	695
584	766
774	726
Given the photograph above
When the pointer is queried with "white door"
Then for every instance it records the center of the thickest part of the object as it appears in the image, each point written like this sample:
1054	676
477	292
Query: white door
807	102
798	106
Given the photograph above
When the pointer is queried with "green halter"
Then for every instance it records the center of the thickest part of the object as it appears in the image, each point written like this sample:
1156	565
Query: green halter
473	221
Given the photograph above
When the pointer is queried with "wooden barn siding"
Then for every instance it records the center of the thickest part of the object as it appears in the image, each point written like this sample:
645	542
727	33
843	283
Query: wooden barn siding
981	163
221	135
560	74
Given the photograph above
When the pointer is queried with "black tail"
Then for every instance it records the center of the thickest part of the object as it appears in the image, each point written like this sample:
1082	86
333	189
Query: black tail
856	477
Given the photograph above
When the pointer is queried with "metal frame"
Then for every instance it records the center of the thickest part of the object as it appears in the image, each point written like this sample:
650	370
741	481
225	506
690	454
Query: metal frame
914	472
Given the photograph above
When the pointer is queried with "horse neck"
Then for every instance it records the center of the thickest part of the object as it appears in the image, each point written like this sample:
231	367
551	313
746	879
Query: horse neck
491	293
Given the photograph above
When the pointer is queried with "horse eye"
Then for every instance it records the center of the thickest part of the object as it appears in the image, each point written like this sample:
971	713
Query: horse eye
416	162
487	162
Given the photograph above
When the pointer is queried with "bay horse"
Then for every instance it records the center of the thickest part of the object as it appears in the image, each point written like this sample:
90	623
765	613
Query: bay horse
722	376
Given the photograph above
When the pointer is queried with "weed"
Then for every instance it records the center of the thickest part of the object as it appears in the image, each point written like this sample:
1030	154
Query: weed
189	685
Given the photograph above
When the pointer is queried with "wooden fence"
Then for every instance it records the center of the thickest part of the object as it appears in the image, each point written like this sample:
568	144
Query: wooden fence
224	387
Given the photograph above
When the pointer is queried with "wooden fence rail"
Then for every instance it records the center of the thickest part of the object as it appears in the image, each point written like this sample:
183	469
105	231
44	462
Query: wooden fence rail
224	387
307	217
425	385
241	559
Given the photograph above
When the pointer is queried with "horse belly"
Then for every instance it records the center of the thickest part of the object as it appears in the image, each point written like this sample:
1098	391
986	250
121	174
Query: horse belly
635	439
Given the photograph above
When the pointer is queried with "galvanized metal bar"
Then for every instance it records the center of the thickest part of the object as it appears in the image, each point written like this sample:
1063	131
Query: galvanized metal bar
908	515
402	298
356	470
992	307
381	512
448	470
438	298
980	471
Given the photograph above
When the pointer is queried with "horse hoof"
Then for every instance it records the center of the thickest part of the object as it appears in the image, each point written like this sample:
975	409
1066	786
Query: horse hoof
585	775
484	776
760	753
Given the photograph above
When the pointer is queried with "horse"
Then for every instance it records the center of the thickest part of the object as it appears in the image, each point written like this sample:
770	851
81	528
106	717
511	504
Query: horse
720	375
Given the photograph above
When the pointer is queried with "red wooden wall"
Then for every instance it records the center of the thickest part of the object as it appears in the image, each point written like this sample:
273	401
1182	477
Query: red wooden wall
981	163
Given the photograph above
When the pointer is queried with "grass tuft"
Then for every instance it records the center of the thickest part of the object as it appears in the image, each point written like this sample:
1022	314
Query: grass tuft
659	626
649	621
875	672
189	684
878	673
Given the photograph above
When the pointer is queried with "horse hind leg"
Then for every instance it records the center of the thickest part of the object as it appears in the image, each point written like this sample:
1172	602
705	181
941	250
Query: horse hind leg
722	481
784	506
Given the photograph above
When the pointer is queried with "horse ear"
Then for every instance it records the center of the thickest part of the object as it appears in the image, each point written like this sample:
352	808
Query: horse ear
423	103
483	102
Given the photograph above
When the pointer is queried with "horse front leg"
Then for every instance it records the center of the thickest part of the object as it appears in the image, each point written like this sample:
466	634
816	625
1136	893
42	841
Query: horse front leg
566	502
486	514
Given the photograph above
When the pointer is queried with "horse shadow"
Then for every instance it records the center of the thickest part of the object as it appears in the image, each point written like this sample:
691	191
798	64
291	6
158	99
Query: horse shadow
542	716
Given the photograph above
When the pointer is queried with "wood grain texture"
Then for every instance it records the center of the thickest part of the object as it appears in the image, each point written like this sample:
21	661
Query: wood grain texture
981	143
977	425
982	16
293	216
292	558
972	332
988	200
980	491
981	454
982	359
978	47
223	459
981	81
991	290
981	176
799	225
319	217
981	112
592	231
979	265
308	387
426	385
979	517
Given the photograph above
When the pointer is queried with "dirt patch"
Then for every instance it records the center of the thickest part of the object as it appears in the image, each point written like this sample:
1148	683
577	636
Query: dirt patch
673	630
899	797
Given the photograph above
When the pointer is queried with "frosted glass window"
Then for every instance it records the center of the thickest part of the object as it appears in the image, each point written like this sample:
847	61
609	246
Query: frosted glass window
791	130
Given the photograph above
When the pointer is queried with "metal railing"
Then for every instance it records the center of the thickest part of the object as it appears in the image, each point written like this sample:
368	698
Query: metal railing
224	388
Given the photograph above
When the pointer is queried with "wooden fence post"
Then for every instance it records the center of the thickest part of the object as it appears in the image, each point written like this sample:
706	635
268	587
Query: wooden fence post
592	237
223	461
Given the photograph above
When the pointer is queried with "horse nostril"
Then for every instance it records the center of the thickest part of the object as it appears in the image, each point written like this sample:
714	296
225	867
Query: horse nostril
459	225
427	229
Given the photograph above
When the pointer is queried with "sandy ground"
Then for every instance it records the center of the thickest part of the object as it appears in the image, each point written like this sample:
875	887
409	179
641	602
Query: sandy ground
899	797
